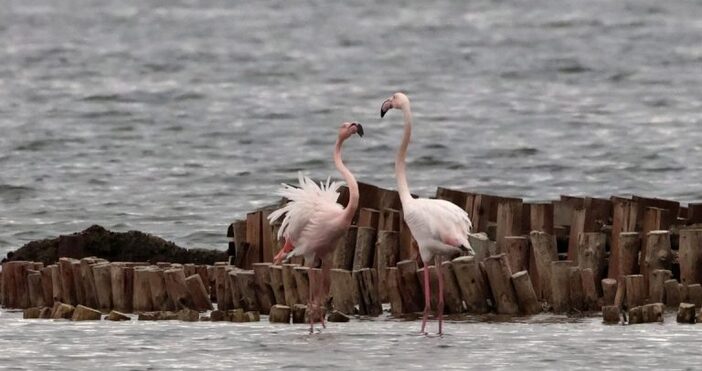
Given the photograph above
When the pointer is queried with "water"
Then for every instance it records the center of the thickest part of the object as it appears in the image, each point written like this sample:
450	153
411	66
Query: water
176	117
541	343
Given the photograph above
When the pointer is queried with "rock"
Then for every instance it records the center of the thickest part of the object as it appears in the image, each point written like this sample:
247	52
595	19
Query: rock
83	313
653	312
298	313
188	315
45	313
31	313
117	316
218	316
636	315
132	246
253	316
158	316
336	316
686	313
61	310
237	315
279	314
610	314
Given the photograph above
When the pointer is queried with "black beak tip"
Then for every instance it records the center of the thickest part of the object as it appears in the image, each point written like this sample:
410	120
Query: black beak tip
382	113
359	129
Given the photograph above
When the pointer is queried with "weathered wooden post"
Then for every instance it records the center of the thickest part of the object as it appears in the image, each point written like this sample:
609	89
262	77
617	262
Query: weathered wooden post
542	217
220	291
576	295
367	289
509	221
500	279
159	294
302	282
342	290
36	292
103	286
78	282
47	286
560	285
88	282
634	290
57	287
198	293
474	289
629	247
526	296
672	293
177	289
276	282
690	256
234	289
517	250
388	250
609	290
247	286
289	282
393	291
686	313
411	289
452	294
264	291
658	254
67	283
591	253
624	214
589	289
142	290
656	286
346	250
365	248
577	227
544	247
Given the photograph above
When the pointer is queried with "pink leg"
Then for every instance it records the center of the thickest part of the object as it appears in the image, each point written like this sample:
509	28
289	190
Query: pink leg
310	302
437	261
427	297
283	252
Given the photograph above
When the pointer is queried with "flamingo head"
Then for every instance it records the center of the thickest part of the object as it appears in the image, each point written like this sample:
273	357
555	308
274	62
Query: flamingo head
397	101
348	129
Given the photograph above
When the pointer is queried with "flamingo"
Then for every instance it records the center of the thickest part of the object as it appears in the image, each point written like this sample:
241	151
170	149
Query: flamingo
314	222
439	227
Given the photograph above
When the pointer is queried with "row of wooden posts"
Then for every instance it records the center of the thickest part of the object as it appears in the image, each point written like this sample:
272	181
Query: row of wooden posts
573	254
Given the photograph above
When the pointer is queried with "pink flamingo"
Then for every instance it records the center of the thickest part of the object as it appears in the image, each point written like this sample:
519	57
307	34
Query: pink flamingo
314	222
440	227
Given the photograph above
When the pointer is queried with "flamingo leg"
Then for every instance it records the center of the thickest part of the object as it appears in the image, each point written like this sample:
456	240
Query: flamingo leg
324	289
310	302
427	297
437	261
283	252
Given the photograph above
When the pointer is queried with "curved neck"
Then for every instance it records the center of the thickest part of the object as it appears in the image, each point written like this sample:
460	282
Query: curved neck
400	173
351	207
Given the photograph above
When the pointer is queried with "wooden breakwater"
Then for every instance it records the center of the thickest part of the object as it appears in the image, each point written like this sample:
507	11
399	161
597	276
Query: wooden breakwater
573	255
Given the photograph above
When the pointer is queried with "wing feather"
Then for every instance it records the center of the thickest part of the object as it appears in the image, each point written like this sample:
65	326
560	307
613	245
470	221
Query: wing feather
438	220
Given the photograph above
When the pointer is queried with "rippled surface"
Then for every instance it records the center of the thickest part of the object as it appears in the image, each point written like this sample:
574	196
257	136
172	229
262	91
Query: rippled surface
177	117
543	342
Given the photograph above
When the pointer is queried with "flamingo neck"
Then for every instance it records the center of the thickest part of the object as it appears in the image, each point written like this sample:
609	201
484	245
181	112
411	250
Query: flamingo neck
400	173
351	207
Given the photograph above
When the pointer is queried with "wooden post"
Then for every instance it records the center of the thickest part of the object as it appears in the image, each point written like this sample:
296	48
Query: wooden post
610	314
517	250
177	289
393	291
118	284
247	286
634	290
576	295
276	282
560	285
658	254
544	247
591	253
452	294
589	289
368	217
67	283
254	238
36	292
526	296
686	313
47	286
629	247
345	250
302	282
235	292
389	220
577	227
690	257
654	219
482	246
509	221
635	315
656	286
672	293
388	249
342	290
367	289
290	285
411	289
365	248
279	314
694	294
542	217
474	289
57	287
264	292
623	220
609	290
103	286
77	282
220	291
142	290
694	213
88	282
197	291
499	277
159	294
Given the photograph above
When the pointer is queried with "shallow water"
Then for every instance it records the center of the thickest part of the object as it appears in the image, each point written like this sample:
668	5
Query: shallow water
542	342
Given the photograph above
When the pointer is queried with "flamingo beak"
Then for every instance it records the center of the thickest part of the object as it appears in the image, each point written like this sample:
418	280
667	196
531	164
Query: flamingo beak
359	129
385	107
